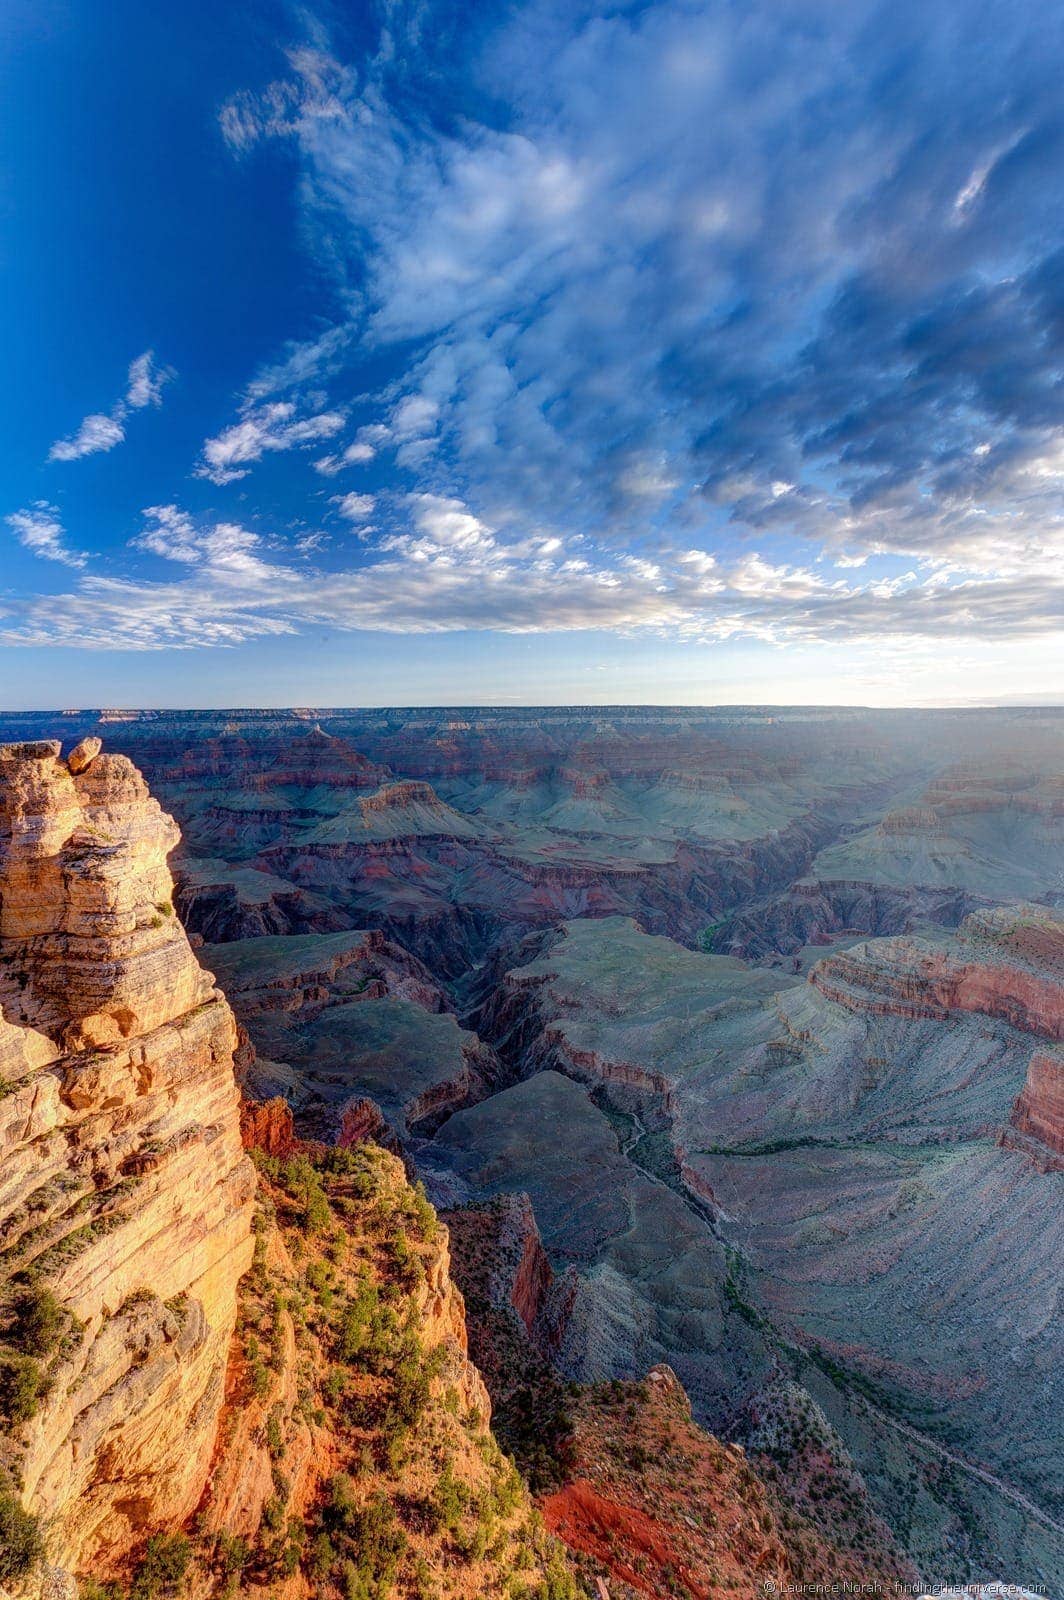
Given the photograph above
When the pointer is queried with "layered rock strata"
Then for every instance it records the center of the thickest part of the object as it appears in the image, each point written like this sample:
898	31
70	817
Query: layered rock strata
125	1196
1006	963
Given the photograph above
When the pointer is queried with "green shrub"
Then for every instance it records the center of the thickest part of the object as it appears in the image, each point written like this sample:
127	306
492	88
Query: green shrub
368	1330
422	1214
274	1434
322	1555
163	1567
408	1266
410	1394
300	1181
231	1552
367	1539
37	1322
89	1589
273	1514
22	1383
451	1500
21	1542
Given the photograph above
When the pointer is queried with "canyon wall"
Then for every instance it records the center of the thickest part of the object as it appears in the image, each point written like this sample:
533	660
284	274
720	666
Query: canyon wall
125	1194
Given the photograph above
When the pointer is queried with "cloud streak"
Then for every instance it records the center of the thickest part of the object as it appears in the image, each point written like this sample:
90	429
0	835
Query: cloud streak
711	322
263	430
39	529
101	431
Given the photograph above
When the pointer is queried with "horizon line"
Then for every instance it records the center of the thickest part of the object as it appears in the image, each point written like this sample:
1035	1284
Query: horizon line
132	712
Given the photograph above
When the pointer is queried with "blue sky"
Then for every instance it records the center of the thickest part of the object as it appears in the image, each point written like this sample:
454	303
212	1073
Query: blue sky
531	352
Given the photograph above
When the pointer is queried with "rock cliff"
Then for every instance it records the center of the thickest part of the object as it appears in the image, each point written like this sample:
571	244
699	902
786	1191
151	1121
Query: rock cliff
658	1506
1039	1110
125	1195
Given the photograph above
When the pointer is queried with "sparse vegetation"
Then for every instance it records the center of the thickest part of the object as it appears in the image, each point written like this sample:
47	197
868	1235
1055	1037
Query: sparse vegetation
21	1540
162	1568
386	1390
22	1385
37	1319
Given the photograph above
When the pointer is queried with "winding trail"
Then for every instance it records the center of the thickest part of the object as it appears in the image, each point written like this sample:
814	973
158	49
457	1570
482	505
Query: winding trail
1006	1490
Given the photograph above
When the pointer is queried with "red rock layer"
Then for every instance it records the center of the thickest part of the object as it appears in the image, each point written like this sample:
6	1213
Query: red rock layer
1039	1111
657	1504
267	1125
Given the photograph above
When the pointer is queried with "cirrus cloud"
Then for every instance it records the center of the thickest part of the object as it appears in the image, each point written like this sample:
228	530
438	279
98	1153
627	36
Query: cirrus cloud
39	529
743	277
231	454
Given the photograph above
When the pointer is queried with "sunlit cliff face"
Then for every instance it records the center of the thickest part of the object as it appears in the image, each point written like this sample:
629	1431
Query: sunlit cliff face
124	1189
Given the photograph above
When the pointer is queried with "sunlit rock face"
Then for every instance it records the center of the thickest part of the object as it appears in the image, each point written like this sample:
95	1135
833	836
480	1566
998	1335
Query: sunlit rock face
124	1189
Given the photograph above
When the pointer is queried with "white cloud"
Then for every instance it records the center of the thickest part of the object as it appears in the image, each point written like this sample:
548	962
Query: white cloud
361	450
302	361
146	380
171	534
445	525
317	93
972	190
267	428
446	569
97	433
103	430
358	454
40	530
647	479
355	507
630	290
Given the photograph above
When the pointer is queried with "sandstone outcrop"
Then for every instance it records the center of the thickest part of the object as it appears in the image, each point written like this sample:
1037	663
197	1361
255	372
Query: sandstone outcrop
83	754
267	1125
125	1196
306	973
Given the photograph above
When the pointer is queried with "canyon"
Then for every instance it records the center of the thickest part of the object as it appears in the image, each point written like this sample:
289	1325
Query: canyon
727	1046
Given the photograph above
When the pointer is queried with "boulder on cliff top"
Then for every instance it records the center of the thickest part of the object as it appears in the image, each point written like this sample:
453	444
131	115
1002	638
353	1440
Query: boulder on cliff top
84	753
